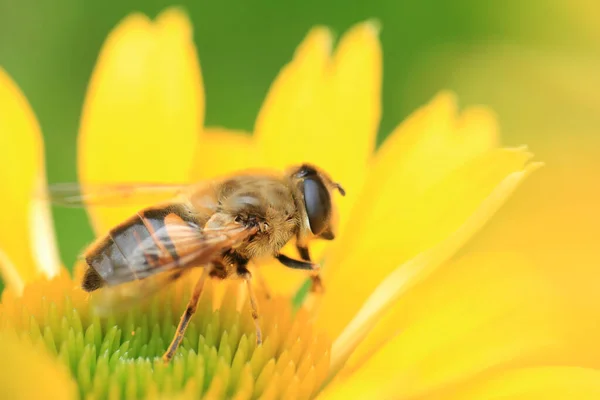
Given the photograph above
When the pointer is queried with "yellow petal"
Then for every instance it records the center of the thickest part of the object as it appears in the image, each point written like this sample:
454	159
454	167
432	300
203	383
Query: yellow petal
535	383
476	190
144	109
223	152
355	103
295	104
28	372
421	151
557	211
539	383
418	193
325	109
484	311
408	275
27	244
555	220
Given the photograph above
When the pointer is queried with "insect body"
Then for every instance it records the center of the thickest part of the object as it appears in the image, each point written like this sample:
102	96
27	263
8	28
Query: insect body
220	225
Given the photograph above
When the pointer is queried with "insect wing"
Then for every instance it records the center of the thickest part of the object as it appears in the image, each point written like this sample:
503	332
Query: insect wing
151	267
111	195
139	251
120	298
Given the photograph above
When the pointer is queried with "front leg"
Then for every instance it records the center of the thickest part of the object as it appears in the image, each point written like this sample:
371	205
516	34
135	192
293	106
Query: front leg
296	264
317	285
303	251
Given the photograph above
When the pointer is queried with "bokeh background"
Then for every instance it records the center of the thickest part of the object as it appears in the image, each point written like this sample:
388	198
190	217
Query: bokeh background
537	63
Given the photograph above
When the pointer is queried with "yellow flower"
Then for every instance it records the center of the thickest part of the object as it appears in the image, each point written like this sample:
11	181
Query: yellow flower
404	315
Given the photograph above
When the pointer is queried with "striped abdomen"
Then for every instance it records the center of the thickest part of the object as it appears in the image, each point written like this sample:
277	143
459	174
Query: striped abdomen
141	246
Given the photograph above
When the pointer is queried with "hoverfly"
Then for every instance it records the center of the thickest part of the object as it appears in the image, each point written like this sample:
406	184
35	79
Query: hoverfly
220	225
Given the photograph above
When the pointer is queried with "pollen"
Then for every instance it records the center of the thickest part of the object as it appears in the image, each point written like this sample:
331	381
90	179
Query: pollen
119	355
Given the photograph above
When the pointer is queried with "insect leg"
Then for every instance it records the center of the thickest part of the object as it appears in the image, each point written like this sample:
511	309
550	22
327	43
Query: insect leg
254	307
304	253
186	316
243	273
296	264
317	283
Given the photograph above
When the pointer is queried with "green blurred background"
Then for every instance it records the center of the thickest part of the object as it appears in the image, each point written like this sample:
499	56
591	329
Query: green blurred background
536	63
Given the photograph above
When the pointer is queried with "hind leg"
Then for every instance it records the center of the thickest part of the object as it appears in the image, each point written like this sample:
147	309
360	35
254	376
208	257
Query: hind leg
186	317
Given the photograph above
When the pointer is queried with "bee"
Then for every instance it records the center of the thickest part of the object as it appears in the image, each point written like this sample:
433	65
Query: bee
220	225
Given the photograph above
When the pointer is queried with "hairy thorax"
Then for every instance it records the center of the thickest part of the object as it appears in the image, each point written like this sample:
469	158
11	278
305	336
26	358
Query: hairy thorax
266	202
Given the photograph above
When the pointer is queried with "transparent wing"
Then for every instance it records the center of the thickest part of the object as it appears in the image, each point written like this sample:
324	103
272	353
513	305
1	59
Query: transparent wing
77	195
121	298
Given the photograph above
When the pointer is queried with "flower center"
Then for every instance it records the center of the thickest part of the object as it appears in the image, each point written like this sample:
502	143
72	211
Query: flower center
119	356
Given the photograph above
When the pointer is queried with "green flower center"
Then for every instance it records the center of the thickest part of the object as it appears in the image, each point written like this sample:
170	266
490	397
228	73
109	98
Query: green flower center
119	356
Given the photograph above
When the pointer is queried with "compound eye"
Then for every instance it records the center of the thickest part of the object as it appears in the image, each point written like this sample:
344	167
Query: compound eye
318	204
